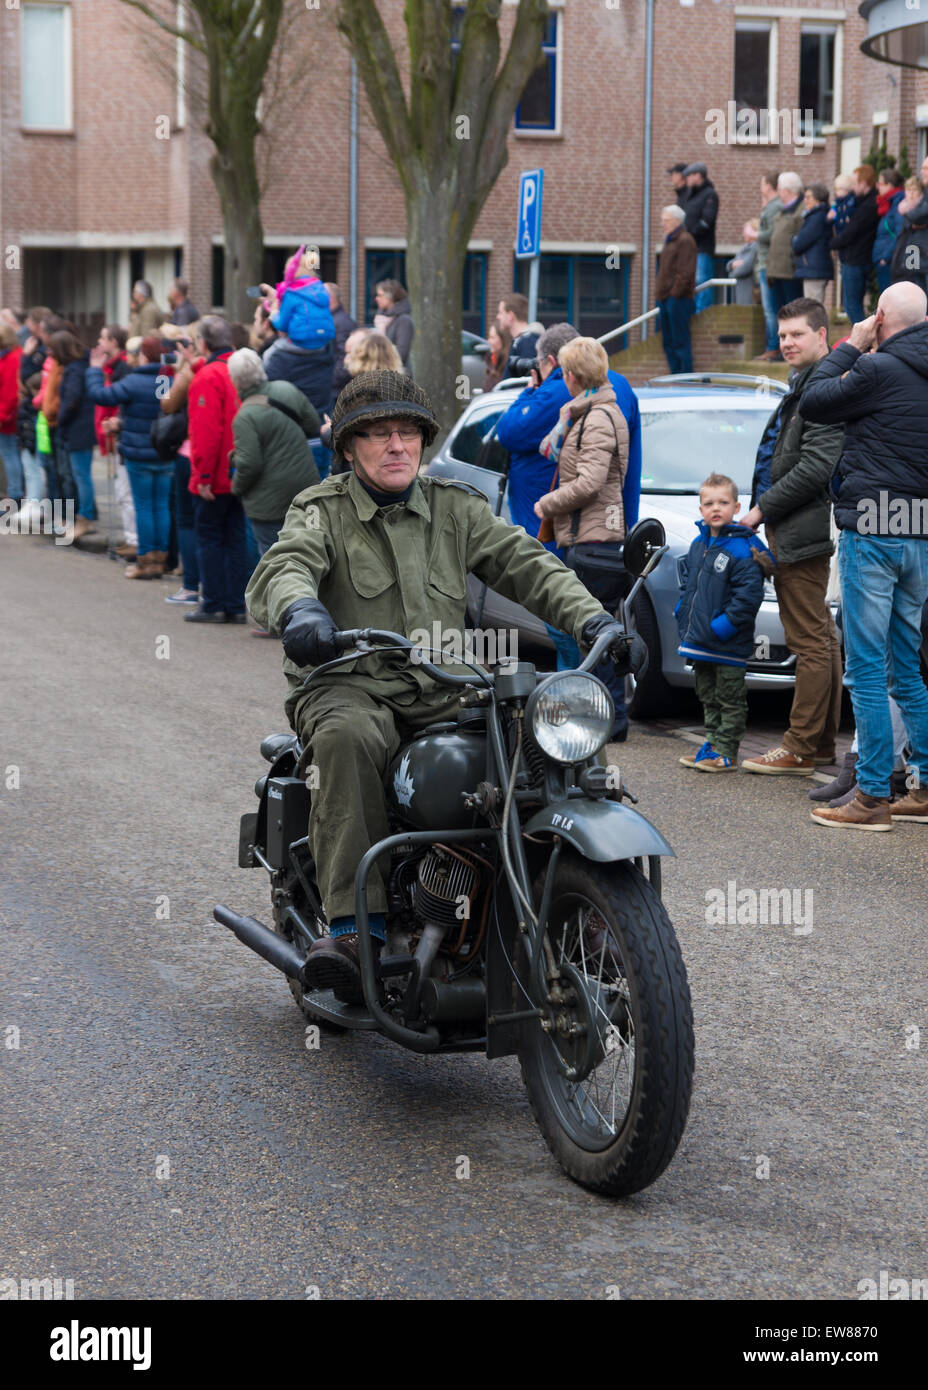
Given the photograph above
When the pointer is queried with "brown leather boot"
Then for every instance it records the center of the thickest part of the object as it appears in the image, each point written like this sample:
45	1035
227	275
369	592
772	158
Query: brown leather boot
126	551
863	813
913	807
144	568
156	560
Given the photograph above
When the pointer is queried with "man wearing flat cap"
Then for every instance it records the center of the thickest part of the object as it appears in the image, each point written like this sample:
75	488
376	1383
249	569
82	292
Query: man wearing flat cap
382	546
702	210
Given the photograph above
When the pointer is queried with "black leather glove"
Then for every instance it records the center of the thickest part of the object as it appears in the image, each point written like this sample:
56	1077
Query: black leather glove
308	633
629	651
594	628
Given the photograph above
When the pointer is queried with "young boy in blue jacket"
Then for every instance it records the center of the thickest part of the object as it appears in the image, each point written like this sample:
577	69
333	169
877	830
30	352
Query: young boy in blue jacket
726	567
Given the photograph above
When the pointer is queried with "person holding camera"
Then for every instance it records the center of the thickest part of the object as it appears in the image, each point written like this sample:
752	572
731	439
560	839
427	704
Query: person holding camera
513	316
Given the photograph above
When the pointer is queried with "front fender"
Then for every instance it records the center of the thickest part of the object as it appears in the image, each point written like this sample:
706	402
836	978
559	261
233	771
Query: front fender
599	830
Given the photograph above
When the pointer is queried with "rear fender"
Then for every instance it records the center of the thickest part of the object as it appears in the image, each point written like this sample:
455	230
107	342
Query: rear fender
599	830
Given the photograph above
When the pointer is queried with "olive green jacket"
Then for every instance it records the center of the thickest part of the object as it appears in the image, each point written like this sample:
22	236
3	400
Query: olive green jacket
271	458
797	505
404	568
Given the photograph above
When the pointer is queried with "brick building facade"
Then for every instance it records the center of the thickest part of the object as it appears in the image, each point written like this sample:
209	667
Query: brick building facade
105	170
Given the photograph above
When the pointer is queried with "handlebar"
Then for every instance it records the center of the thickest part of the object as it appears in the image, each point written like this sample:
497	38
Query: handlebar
369	639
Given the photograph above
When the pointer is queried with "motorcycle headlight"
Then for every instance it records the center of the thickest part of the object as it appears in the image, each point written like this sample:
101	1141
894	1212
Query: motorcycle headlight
570	715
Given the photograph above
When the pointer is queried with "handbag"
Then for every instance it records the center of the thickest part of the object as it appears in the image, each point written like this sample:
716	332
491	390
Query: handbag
168	433
546	529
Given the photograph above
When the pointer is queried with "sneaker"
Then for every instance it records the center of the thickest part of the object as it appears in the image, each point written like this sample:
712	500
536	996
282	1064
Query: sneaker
183	596
691	759
716	763
913	807
780	762
862	813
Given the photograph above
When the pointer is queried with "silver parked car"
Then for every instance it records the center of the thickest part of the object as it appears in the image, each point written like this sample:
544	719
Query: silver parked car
691	426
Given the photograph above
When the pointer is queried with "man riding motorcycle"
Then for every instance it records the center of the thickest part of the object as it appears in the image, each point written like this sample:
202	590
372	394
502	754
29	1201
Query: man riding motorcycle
381	546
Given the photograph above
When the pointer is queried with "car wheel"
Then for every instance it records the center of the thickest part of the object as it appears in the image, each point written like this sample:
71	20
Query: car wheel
651	696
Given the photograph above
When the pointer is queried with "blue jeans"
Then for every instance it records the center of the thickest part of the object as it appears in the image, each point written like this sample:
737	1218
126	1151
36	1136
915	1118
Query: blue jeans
784	292
884	584
322	457
34	482
884	276
184	520
675	331
151	497
705	270
265	533
81	460
220	528
772	340
9	453
854	279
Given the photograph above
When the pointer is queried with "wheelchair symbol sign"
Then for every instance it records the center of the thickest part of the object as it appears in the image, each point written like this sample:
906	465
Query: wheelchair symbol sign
528	236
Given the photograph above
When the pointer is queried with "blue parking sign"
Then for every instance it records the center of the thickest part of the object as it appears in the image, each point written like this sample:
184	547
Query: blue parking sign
528	233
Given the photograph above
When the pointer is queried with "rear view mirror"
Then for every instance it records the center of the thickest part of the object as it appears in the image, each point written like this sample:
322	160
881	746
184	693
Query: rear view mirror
641	543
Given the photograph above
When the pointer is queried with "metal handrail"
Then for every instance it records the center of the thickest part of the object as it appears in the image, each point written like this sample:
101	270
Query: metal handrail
653	313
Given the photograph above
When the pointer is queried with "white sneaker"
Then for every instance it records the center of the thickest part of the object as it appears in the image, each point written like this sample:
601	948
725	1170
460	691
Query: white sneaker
183	596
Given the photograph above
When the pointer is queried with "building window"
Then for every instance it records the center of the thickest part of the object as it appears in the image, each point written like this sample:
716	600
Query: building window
754	71
46	67
538	105
582	290
922	151
473	293
880	133
817	77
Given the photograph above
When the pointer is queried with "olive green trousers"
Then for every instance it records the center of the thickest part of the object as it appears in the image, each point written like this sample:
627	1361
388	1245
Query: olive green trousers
349	739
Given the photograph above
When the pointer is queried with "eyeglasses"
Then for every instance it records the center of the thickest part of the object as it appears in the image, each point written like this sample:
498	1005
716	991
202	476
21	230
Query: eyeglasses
381	435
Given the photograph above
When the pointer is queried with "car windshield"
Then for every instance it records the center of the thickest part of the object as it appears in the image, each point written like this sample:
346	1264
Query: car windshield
679	449
467	444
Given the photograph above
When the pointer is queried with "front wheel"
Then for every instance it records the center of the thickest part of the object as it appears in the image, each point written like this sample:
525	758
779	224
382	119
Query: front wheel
609	1068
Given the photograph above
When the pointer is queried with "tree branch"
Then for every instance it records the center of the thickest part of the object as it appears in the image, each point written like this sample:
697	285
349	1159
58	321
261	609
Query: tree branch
187	35
364	29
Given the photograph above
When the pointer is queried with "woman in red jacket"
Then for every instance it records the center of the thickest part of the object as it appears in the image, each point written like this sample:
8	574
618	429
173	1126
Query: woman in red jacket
10	358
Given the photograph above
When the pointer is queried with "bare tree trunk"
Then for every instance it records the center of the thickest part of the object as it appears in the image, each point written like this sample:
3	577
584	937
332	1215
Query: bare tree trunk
436	249
237	185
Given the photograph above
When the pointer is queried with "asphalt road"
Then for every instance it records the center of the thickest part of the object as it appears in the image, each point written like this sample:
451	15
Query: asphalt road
166	1133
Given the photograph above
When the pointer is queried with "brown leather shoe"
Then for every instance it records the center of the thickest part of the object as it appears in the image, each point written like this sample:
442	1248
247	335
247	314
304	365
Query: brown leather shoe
126	551
142	569
863	813
780	762
333	963
913	807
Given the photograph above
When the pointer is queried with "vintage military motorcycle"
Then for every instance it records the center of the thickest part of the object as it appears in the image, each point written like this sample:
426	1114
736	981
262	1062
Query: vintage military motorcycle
524	910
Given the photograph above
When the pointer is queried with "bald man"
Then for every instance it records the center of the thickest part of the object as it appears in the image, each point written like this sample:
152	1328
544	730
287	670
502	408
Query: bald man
876	385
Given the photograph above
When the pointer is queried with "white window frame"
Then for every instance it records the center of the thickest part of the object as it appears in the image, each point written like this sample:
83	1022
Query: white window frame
756	25
556	8
180	119
837	73
68	127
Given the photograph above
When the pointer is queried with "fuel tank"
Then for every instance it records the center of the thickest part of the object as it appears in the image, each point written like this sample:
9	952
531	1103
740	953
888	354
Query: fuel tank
426	778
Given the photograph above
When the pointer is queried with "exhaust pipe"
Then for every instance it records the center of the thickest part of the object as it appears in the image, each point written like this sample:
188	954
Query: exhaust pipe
266	943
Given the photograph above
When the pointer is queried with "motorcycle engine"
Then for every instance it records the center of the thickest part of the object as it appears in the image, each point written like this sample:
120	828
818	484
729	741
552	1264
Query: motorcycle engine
446	886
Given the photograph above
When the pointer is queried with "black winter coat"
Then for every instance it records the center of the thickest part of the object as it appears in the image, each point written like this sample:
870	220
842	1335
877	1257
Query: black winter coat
812	246
344	327
702	209
75	409
882	400
137	393
855	244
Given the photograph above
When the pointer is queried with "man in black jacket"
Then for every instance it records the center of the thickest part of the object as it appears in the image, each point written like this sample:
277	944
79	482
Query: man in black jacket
877	385
344	327
702	210
855	244
795	507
